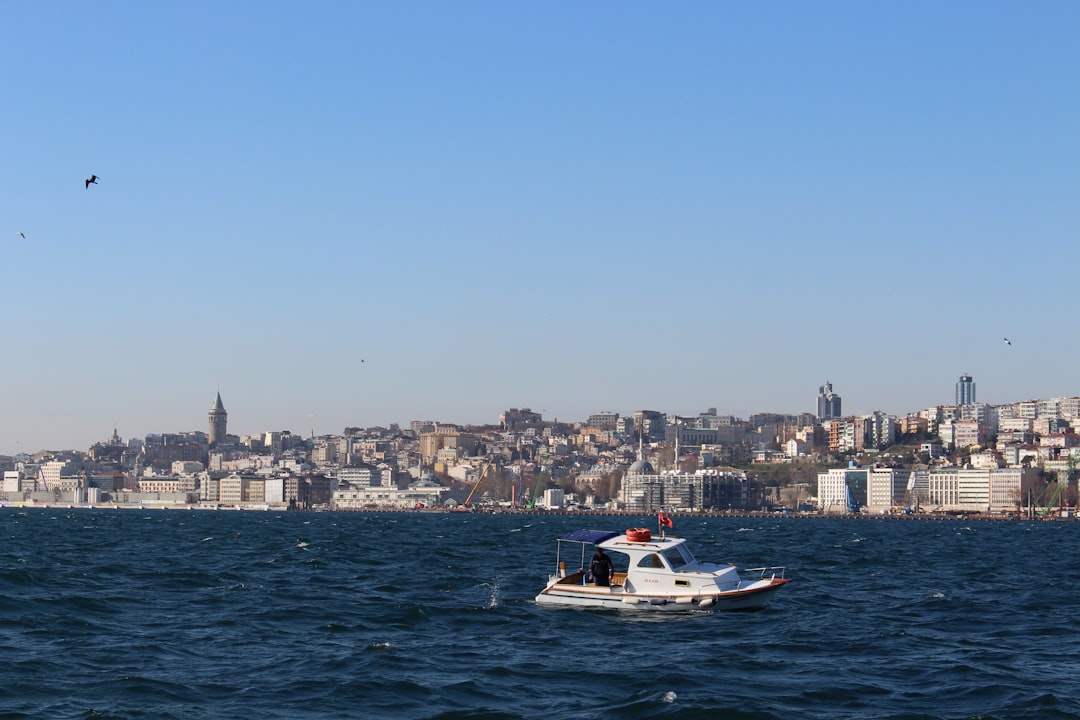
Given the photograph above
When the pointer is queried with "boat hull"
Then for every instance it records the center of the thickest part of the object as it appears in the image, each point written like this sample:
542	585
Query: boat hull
754	598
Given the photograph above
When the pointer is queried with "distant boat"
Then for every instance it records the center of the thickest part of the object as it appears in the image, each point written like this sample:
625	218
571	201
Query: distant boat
661	574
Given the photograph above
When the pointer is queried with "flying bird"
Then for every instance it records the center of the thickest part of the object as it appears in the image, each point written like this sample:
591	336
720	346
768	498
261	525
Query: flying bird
1008	341
21	234
91	179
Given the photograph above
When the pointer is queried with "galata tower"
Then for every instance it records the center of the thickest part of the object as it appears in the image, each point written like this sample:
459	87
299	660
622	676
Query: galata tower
218	418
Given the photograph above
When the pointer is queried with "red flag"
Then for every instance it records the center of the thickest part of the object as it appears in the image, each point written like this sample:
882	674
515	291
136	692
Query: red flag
665	520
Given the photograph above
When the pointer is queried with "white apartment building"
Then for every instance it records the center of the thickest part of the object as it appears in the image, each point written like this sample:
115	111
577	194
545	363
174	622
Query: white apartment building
166	485
239	490
423	493
1014	425
554	498
274	489
704	489
837	485
58	475
886	489
976	490
363	477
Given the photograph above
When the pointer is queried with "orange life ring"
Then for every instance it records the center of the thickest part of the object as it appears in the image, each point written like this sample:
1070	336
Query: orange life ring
638	535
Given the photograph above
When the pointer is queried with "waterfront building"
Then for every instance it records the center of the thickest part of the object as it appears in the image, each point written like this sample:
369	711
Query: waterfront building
425	492
886	489
705	489
843	489
274	490
11	483
976	490
58	475
236	490
554	498
167	485
309	490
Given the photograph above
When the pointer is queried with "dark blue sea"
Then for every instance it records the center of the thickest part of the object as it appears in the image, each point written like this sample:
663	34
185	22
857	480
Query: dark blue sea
222	614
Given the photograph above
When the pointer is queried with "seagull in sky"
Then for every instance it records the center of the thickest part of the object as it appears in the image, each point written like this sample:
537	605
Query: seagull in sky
1008	341
21	234
92	179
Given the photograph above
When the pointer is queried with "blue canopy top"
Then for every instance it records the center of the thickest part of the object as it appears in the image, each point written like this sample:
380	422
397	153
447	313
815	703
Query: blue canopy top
589	536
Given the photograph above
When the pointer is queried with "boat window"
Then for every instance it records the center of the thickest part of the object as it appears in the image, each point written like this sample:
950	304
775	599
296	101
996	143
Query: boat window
651	561
675	558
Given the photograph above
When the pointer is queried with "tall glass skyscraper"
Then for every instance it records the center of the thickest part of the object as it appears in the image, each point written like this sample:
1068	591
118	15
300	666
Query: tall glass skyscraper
965	390
828	402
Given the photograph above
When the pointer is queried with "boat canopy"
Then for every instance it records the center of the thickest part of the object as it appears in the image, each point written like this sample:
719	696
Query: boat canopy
589	536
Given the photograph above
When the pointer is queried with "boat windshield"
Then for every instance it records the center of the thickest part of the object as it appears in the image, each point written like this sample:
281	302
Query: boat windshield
678	556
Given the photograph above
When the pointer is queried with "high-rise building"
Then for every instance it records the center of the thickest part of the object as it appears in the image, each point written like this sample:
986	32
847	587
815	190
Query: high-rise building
218	418
828	402
965	390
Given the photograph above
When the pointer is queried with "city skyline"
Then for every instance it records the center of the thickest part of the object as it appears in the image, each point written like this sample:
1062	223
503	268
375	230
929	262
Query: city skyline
359	215
215	426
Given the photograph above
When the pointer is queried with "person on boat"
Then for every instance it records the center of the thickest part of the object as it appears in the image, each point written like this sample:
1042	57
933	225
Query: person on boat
601	567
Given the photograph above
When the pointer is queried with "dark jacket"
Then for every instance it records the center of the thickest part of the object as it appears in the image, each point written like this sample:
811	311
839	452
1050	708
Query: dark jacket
601	569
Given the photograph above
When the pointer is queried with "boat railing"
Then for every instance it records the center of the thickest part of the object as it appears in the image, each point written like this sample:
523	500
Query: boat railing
767	573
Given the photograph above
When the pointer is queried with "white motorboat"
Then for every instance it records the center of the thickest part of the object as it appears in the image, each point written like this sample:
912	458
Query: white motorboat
655	573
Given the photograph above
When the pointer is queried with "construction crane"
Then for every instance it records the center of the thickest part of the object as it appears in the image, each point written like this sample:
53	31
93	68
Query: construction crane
852	506
480	479
537	489
909	493
1051	507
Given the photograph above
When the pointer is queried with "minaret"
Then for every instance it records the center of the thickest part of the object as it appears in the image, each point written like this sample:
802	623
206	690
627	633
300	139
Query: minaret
218	418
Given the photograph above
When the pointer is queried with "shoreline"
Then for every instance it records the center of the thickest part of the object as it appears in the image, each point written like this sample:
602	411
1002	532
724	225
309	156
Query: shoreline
754	514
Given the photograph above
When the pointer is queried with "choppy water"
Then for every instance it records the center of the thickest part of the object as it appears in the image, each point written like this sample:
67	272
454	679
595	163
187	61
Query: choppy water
172	614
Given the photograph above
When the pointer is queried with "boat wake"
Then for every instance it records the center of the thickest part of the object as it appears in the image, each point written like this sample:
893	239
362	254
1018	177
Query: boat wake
493	597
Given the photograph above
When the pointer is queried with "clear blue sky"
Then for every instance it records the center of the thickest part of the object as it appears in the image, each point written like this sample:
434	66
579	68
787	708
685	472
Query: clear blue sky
567	206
